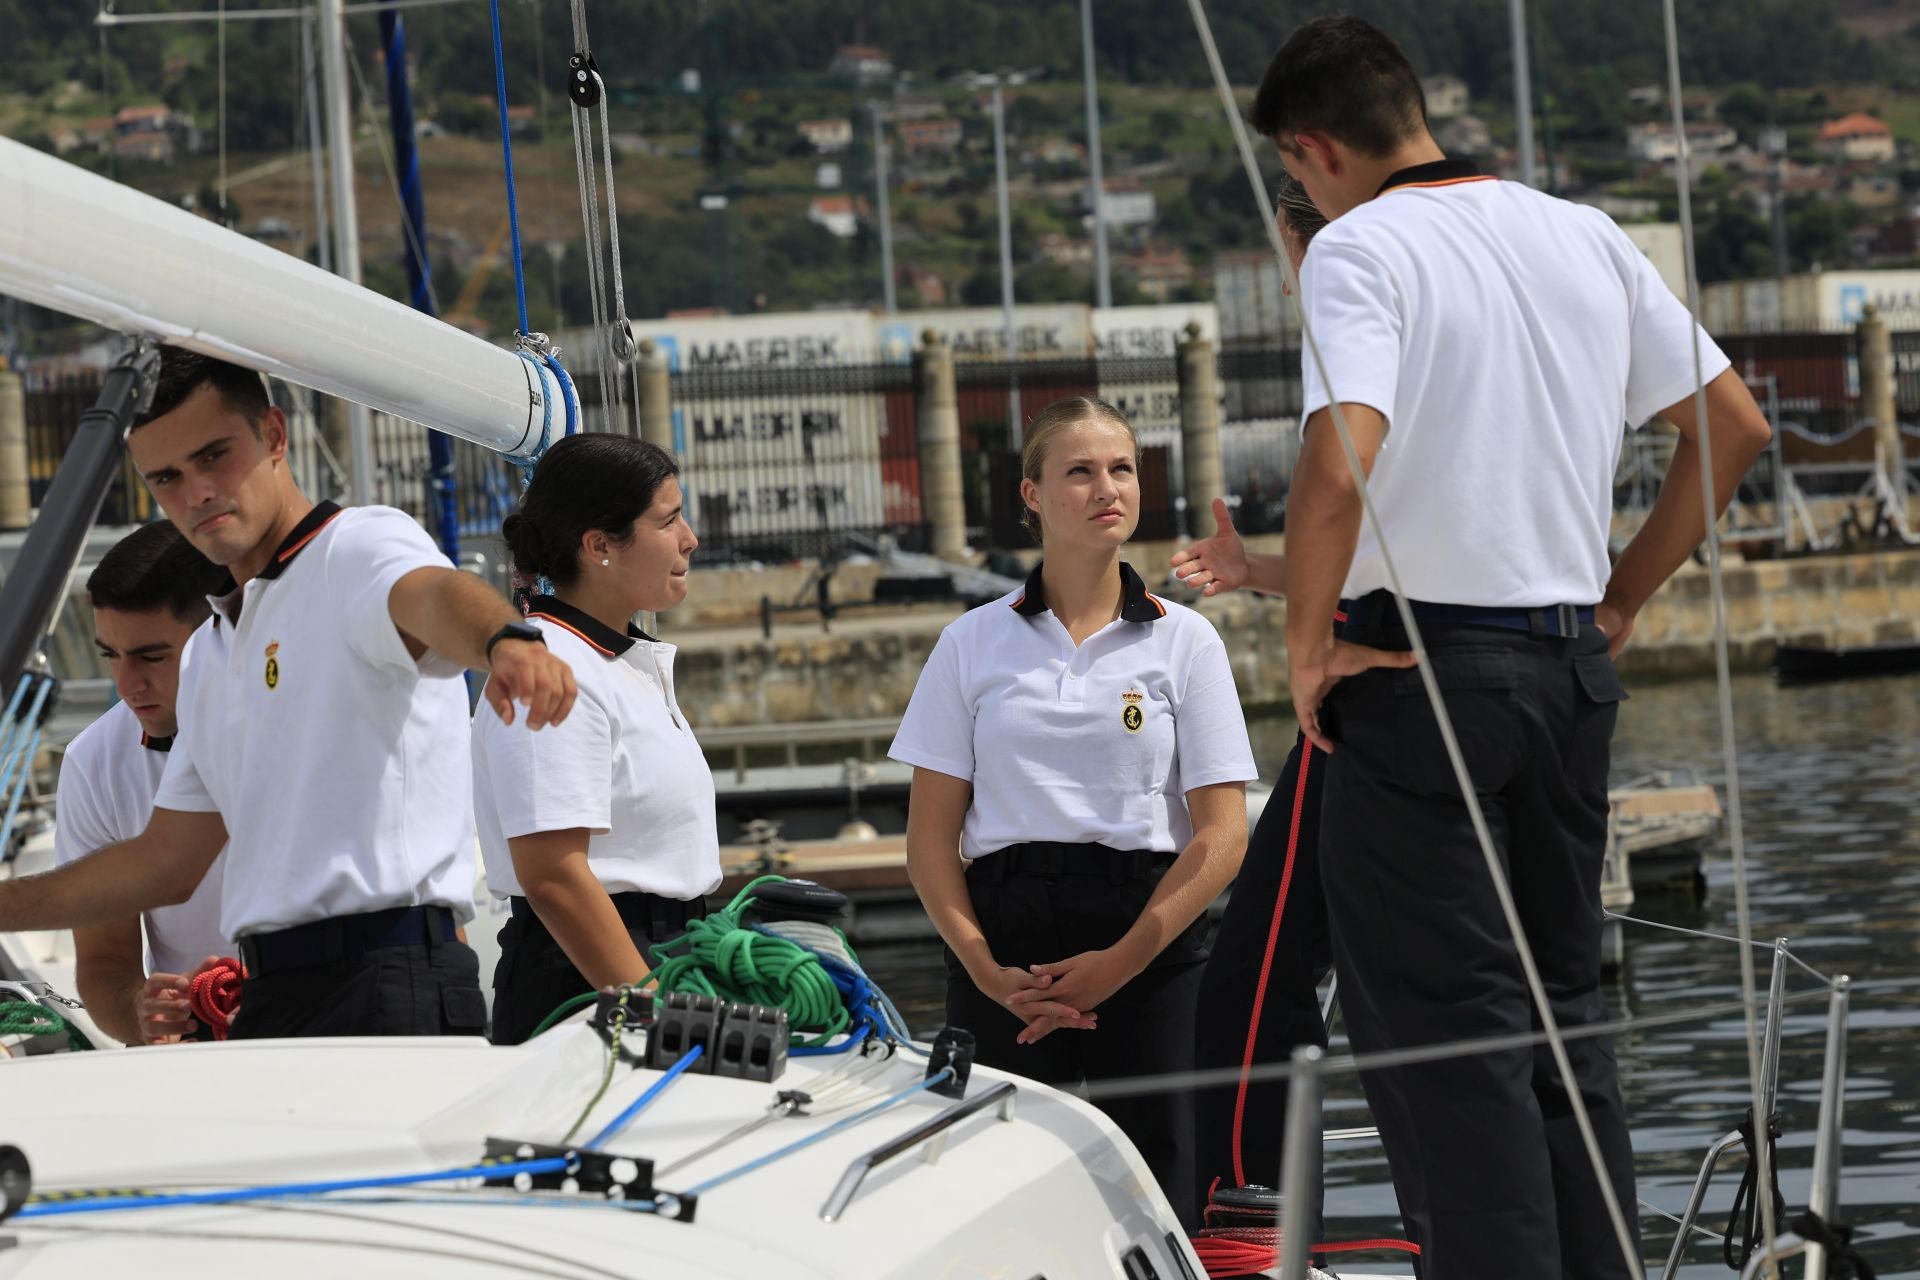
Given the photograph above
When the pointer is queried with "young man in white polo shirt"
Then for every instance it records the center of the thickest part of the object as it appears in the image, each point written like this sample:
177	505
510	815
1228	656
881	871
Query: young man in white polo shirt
149	593
1487	346
325	730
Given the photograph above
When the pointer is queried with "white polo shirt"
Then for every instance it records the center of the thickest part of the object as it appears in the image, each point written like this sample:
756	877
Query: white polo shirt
1091	745
1509	338
338	763
624	766
107	779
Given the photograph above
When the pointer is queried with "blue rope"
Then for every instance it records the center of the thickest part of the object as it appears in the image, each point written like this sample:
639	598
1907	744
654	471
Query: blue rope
939	1078
645	1100
567	391
506	148
104	1204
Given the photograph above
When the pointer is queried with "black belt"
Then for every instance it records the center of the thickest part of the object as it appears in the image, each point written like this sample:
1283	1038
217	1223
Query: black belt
1047	858
344	939
1558	621
658	916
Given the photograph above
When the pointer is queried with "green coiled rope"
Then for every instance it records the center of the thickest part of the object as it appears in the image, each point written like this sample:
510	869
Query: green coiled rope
721	957
23	1018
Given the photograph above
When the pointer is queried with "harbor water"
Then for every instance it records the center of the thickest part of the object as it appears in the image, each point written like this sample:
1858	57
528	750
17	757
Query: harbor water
1828	776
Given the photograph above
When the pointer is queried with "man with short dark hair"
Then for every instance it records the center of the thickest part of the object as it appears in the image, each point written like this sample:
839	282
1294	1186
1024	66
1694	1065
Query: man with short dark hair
149	594
324	727
1486	346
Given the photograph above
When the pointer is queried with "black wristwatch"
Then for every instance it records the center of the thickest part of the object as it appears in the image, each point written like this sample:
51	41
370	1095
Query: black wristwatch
514	631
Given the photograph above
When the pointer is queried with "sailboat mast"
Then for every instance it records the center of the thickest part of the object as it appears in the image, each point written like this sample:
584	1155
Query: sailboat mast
1522	90
332	35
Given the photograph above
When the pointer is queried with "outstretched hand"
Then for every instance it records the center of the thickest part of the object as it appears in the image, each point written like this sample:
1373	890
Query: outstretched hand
524	671
1214	565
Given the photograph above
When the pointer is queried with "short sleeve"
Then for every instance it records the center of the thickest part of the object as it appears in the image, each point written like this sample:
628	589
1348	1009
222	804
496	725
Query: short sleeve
937	730
373	549
80	821
1353	307
556	779
1661	372
1211	730
181	786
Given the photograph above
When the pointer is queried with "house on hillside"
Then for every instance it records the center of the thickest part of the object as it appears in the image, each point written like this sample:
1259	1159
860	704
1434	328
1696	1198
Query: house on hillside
1447	96
1125	207
1066	251
151	117
862	62
1655	143
827	136
837	215
1858	137
1464	136
929	137
1160	271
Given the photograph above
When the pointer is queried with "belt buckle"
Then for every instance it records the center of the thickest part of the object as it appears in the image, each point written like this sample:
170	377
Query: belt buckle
1569	620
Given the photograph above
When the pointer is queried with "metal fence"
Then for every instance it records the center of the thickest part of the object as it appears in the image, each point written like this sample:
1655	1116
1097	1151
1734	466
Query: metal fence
782	463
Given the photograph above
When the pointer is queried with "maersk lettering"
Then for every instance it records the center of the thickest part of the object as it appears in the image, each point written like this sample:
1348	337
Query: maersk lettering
764	352
714	426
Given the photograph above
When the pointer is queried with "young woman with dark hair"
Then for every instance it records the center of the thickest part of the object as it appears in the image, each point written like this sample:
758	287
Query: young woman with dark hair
599	832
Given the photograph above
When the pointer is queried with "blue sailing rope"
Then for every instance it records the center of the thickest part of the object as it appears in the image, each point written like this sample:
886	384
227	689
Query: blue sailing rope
506	150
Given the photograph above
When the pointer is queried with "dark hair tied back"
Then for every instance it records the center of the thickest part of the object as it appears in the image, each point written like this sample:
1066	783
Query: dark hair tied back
586	482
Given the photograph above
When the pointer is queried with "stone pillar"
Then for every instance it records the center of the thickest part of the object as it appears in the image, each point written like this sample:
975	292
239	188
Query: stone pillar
1877	401
936	406
16	497
656	395
1204	478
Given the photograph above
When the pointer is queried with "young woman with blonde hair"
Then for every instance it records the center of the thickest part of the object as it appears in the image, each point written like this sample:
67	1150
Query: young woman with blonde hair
1080	763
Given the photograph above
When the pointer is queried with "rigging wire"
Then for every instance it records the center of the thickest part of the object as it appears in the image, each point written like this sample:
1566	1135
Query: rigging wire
1736	817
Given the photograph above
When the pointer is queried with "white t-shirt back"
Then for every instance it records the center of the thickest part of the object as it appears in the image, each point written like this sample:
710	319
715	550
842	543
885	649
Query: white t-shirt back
1509	338
1097	744
624	765
107	779
337	761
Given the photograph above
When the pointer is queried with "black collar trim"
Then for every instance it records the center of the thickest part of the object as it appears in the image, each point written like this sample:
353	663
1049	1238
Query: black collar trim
1136	603
590	629
1436	173
152	743
306	531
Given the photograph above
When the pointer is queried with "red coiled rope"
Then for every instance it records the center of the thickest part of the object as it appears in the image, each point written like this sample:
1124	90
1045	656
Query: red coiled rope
215	995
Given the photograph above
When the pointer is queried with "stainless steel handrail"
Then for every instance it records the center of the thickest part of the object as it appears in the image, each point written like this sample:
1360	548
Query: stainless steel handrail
856	1172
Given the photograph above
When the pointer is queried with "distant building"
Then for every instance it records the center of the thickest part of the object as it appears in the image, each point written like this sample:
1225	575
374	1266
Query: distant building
1872	191
1447	97
1126	207
1621	208
1246	288
1655	143
928	284
827	136
1464	136
1898	241
1160	271
144	148
862	62
1857	137
836	215
153	117
1066	251
1055	149
1646	95
916	106
929	137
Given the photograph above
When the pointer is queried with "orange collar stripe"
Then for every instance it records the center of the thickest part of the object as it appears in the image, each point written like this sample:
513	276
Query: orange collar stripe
294	550
565	626
1443	182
